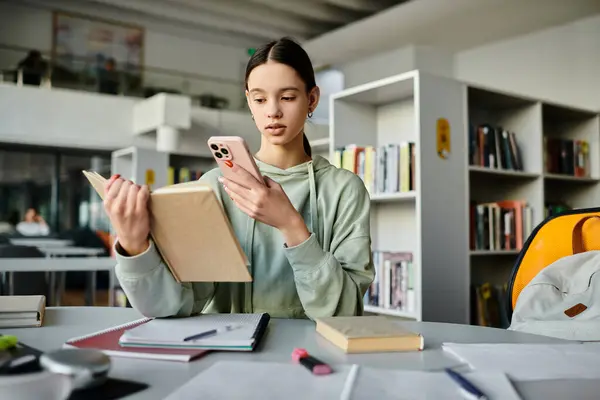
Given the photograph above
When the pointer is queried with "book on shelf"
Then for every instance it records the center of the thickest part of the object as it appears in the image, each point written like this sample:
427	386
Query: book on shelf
393	286
500	225
183	174
494	147
384	169
567	157
488	305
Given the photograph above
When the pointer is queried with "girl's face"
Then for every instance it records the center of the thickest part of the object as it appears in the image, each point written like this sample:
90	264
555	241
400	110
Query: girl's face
278	101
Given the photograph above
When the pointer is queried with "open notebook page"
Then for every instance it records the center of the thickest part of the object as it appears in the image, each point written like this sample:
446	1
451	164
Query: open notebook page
271	380
175	330
523	362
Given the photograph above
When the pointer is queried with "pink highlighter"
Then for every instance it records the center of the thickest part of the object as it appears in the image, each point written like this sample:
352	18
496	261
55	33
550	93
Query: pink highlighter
314	365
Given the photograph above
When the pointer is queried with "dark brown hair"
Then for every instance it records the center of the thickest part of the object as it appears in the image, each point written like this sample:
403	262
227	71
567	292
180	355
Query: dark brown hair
286	51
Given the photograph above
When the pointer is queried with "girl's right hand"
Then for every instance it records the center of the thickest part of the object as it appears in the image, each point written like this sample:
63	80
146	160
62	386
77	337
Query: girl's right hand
127	207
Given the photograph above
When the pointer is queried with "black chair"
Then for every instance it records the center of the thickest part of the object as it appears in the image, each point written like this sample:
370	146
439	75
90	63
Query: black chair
24	283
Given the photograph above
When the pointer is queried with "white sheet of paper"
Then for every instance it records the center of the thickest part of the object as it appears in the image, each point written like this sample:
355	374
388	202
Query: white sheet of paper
270	380
388	384
524	362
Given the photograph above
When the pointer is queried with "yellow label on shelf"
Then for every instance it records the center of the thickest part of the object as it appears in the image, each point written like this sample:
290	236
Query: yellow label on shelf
149	177
443	138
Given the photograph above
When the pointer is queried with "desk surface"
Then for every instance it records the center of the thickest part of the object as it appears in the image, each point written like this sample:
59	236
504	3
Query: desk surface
71	251
57	264
282	337
41	242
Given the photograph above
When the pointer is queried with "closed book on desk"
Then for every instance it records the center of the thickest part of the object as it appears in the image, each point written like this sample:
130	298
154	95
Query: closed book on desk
22	311
192	233
107	341
234	332
368	334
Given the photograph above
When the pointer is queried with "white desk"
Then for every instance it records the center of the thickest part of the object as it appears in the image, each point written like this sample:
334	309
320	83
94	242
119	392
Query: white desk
66	251
277	345
52	265
41	242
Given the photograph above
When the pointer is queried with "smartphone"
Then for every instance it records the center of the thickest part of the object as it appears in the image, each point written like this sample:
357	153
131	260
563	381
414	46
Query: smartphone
233	149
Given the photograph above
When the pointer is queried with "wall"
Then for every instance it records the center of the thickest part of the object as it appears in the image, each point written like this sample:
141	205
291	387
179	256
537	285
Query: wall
395	62
379	66
31	27
81	120
64	118
560	64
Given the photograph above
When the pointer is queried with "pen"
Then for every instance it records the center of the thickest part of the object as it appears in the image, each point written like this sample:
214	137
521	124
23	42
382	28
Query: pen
311	363
210	332
470	390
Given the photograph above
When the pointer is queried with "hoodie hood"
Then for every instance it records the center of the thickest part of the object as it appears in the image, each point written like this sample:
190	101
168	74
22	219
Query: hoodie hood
317	163
298	173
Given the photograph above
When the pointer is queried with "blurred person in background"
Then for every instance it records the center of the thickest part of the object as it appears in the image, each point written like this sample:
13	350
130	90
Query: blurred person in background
33	224
33	67
108	79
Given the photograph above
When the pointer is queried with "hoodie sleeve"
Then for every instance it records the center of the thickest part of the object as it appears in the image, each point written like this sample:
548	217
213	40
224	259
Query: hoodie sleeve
151	288
334	282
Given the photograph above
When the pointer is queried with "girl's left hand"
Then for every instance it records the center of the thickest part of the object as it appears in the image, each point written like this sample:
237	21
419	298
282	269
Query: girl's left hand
266	203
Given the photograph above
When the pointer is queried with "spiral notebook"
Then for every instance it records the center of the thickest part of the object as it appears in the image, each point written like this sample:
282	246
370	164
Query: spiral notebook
108	342
235	332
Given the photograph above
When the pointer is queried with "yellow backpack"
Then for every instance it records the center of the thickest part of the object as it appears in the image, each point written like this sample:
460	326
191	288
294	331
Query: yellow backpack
558	236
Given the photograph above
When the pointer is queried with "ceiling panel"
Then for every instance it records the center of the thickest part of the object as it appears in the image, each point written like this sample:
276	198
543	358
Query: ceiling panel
262	20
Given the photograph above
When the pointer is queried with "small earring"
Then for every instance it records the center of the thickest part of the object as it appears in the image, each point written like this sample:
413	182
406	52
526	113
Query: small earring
310	114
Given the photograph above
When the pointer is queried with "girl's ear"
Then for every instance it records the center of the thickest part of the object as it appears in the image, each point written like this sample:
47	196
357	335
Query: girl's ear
313	98
247	97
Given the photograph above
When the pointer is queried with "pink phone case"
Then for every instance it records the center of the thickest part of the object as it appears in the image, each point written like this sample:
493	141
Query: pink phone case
228	149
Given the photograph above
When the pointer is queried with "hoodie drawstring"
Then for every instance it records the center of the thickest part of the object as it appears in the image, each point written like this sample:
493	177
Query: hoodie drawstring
312	192
248	287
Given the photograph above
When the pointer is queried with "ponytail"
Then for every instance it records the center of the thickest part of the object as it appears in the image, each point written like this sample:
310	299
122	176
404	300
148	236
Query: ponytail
306	143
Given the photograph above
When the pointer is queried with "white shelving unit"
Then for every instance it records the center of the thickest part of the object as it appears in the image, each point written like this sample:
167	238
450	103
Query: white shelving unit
141	165
533	121
428	221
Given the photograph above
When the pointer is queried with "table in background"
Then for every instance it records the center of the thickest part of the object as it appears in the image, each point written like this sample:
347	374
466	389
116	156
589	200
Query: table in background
41	242
282	337
67	251
53	265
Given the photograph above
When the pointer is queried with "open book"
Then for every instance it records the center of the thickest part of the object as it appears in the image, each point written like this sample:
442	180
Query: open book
191	232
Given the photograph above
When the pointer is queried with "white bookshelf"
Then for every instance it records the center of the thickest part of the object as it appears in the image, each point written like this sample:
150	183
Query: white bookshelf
137	164
401	108
533	121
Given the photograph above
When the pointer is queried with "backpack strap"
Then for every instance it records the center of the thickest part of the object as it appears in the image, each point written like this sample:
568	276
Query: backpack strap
578	234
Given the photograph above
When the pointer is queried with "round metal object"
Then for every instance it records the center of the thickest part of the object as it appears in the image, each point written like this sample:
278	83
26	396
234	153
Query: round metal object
86	367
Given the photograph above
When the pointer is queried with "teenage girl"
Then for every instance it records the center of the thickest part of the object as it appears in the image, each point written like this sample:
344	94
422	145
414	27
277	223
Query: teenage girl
306	232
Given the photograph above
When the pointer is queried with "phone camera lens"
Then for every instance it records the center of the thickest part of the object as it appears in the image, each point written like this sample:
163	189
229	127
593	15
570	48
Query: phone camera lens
218	155
214	147
224	151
